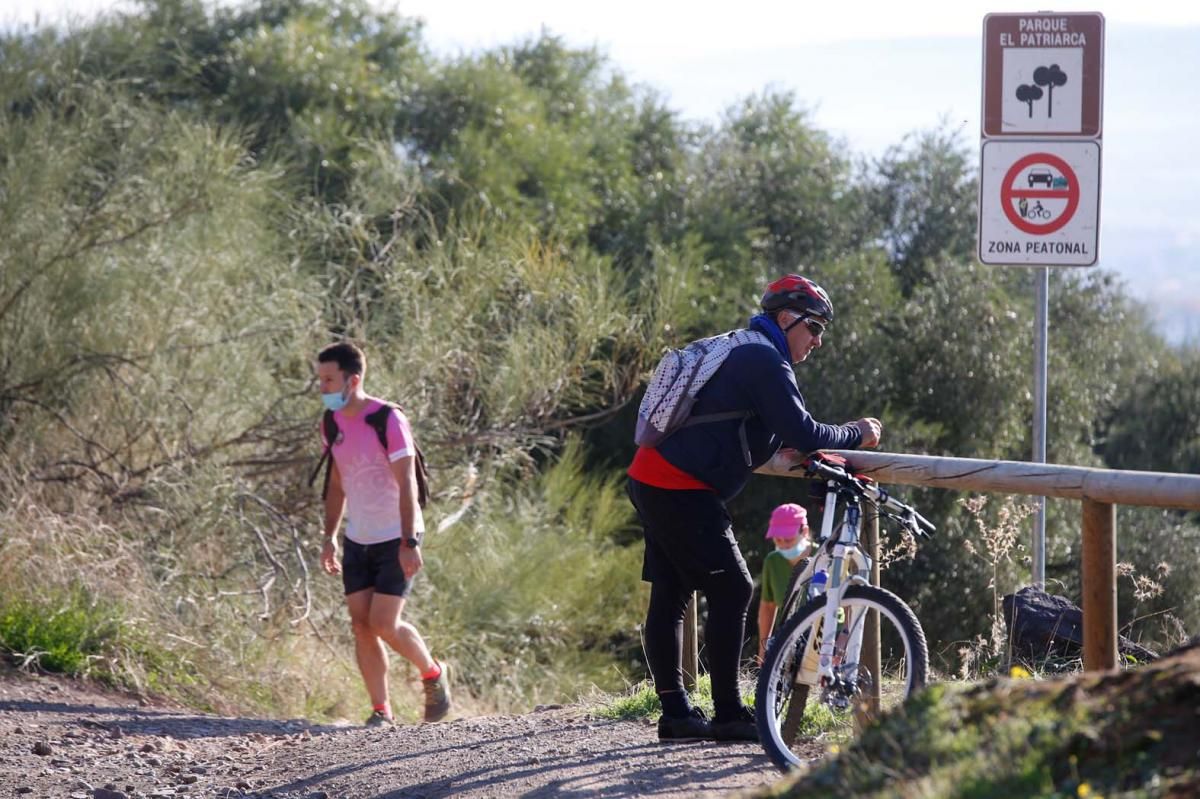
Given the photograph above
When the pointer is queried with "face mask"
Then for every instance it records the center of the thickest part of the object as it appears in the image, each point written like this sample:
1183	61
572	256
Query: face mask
794	552
336	400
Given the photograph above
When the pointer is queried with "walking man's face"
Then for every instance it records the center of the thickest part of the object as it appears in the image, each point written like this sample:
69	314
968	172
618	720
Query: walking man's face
332	380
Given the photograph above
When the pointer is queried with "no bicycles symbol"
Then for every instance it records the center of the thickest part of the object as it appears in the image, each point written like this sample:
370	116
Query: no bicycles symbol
1039	193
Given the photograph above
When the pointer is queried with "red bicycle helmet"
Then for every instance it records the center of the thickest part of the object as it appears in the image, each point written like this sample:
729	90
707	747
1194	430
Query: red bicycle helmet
796	293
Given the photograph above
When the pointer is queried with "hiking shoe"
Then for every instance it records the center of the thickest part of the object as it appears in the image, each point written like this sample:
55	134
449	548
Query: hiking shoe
437	695
379	719
682	729
739	728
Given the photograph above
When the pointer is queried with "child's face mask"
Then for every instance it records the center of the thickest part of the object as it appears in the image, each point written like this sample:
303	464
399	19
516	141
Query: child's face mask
792	553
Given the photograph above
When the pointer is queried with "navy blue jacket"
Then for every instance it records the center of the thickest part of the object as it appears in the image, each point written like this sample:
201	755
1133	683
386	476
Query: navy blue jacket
756	378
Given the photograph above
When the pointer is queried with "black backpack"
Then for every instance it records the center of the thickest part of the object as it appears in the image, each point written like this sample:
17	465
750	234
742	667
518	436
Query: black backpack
377	419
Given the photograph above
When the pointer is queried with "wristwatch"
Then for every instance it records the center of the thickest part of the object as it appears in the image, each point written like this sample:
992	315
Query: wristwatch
412	543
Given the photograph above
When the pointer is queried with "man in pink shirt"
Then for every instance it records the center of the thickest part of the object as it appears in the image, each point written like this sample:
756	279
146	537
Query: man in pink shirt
378	486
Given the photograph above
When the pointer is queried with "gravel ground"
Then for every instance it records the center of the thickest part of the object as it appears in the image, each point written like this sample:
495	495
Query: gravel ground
59	738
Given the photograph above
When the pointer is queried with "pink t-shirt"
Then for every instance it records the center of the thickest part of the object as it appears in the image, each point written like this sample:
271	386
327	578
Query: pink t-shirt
372	493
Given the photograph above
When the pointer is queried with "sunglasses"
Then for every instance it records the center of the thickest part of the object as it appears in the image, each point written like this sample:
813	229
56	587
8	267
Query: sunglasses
814	327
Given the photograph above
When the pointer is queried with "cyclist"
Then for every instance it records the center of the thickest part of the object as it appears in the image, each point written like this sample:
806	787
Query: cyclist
383	535
680	490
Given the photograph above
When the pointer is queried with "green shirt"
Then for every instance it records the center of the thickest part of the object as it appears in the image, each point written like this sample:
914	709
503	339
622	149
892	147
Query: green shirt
776	573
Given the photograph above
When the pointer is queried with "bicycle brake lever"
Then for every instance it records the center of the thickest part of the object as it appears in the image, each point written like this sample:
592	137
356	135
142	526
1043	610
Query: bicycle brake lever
907	521
918	524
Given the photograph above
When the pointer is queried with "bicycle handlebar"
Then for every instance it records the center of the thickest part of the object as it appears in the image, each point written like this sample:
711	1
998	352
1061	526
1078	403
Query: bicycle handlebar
912	519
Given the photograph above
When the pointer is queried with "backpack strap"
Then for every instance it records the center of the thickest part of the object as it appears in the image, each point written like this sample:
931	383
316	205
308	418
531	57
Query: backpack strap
330	428
725	416
378	420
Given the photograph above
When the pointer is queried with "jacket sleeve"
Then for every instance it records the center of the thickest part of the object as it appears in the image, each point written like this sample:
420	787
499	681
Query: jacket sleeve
781	408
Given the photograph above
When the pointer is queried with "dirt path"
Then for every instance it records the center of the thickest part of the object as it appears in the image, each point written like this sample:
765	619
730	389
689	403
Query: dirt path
61	739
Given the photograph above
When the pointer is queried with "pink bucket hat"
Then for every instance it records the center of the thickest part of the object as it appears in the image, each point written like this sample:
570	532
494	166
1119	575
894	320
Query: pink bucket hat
786	521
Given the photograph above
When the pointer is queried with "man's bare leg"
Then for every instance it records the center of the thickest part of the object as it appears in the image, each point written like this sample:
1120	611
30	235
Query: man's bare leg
368	647
401	636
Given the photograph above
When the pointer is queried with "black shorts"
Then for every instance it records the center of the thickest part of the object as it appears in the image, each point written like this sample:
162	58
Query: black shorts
689	537
374	566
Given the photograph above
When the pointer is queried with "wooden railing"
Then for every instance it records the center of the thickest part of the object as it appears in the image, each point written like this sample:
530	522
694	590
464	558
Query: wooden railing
1099	490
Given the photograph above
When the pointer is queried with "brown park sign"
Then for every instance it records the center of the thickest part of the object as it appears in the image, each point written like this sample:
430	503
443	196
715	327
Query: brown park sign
1043	75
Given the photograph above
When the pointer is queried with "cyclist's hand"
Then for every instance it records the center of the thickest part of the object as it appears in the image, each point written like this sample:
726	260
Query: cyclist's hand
329	556
410	561
872	431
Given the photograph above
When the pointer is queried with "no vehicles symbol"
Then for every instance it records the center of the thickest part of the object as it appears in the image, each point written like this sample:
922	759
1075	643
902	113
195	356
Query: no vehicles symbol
1039	193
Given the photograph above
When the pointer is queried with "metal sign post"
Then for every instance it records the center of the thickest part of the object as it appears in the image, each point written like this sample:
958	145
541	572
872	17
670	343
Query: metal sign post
1040	342
1039	186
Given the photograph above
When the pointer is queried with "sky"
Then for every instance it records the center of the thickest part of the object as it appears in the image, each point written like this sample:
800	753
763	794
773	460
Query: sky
872	71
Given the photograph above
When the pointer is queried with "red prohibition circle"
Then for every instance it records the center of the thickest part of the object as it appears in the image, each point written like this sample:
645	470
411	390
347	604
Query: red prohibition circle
1008	193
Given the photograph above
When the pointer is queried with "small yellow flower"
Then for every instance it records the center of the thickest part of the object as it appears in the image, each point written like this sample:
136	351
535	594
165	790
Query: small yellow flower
834	749
1019	673
1083	790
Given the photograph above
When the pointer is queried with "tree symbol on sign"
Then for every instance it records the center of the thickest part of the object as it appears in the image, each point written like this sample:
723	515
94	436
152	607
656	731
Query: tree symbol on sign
1050	76
1027	94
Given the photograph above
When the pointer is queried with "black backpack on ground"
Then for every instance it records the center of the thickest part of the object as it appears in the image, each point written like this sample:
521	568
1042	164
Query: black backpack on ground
377	419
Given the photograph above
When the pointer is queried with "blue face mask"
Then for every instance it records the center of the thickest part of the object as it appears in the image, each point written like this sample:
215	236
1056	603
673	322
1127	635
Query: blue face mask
794	552
336	400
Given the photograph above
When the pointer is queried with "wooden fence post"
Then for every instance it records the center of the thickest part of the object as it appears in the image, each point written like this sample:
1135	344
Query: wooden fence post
872	656
691	650
1099	585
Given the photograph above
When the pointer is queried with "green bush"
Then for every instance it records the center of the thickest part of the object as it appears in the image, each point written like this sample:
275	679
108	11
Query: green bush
527	596
63	635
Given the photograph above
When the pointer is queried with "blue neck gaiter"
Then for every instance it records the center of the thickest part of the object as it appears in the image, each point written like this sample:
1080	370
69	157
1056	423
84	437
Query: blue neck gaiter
766	325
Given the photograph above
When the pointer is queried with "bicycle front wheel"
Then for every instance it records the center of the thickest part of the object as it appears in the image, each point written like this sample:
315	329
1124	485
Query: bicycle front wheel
789	669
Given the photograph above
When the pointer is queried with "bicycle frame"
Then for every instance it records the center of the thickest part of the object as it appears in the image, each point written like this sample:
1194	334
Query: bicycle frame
846	564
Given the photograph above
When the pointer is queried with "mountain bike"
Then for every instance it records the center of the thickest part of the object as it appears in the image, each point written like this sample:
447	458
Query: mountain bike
799	655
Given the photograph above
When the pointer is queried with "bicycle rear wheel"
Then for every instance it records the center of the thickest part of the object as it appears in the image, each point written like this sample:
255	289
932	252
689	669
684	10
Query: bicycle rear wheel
789	668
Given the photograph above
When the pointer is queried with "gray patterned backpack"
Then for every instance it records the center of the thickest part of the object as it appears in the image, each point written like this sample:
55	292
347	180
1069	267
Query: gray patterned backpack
667	404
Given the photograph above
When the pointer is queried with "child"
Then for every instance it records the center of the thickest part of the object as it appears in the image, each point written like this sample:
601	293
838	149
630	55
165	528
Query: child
789	530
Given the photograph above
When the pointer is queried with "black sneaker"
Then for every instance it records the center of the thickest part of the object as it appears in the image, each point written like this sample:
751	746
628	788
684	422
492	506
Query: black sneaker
682	729
739	728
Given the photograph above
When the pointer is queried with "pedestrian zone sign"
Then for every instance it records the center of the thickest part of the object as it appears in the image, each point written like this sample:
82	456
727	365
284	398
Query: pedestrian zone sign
1039	203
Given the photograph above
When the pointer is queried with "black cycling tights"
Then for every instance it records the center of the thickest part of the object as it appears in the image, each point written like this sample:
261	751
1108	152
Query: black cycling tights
728	596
